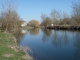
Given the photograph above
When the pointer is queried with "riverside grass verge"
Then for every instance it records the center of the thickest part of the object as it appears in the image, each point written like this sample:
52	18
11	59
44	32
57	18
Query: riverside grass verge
8	49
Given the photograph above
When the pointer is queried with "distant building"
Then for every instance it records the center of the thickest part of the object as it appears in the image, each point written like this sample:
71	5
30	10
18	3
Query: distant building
52	24
23	24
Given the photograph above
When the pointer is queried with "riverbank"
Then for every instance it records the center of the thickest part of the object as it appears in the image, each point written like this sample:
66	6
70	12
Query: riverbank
64	27
9	49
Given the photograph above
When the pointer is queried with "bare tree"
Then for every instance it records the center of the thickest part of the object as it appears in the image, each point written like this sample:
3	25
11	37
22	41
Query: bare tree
76	11
56	16
65	19
9	15
45	20
43	16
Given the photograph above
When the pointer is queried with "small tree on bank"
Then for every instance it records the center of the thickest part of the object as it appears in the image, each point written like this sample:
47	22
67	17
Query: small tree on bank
34	23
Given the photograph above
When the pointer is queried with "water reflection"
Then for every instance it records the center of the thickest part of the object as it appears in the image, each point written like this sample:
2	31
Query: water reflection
46	34
24	31
66	41
19	34
56	39
34	31
55	36
53	44
59	38
77	45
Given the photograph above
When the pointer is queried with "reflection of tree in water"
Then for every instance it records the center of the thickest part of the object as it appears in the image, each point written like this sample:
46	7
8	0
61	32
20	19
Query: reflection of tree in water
34	31
58	39
65	37
46	34
18	34
77	45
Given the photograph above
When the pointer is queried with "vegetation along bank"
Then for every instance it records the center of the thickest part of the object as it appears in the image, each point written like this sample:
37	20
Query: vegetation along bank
9	49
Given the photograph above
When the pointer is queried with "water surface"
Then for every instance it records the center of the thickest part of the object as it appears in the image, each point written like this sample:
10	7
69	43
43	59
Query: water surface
52	44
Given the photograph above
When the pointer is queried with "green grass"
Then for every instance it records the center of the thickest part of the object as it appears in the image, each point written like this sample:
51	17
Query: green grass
6	40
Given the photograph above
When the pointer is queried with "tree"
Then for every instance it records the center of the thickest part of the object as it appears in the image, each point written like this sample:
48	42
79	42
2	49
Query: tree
9	15
45	20
65	19
34	23
76	11
56	16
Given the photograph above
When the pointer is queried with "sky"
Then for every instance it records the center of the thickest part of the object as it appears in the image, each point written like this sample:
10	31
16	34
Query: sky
32	9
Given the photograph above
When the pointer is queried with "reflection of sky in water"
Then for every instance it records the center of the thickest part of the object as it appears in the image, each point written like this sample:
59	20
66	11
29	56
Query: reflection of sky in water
53	44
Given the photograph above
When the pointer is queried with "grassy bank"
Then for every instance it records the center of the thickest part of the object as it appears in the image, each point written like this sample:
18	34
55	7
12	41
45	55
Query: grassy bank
8	48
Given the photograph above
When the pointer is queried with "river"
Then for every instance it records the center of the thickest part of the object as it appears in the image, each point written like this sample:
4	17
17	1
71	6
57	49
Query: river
52	44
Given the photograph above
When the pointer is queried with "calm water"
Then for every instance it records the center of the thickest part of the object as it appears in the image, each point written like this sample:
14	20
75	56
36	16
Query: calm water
52	44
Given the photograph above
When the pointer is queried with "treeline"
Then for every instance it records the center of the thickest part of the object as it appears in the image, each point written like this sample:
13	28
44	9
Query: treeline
58	18
9	18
